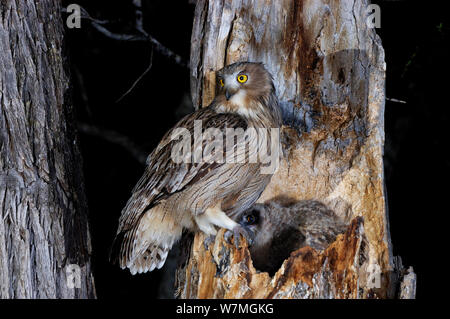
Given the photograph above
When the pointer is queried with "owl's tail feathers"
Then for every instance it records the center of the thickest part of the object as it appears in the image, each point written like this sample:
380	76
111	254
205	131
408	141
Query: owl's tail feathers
153	257
145	246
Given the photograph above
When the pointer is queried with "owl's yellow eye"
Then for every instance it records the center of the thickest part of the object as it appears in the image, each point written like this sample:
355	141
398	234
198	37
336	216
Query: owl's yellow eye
221	82
242	78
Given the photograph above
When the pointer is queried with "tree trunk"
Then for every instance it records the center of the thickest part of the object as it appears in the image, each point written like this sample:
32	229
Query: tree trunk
44	239
329	72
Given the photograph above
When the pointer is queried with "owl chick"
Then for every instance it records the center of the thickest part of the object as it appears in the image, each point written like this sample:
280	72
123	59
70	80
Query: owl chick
200	193
278	230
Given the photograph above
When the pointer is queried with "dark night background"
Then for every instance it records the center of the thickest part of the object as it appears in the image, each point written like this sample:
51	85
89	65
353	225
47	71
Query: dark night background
416	40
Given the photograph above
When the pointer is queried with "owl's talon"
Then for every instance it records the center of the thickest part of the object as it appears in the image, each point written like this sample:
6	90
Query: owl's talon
227	236
236	232
208	241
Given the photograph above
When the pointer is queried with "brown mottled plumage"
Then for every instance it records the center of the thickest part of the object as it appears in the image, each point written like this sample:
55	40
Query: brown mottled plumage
174	196
277	230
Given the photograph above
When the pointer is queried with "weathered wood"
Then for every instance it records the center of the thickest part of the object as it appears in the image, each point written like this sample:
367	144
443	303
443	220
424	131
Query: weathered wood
225	272
329	72
44	239
408	285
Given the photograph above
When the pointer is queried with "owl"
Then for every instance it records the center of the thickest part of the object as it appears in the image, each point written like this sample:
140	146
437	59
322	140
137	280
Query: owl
277	230
201	193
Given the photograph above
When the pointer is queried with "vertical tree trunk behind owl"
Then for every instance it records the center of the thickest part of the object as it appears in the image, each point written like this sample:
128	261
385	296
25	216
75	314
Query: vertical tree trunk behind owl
329	72
44	238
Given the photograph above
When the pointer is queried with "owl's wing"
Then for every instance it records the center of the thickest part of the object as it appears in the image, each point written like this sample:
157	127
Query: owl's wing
163	176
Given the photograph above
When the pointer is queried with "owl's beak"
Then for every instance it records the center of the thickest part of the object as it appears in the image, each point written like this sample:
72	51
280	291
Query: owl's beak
228	94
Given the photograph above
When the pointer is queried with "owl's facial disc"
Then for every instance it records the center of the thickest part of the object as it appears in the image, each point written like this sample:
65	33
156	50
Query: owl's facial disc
232	83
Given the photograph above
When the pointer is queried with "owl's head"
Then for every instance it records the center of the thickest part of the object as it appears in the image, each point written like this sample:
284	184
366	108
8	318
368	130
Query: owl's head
272	239
266	221
253	219
244	79
247	88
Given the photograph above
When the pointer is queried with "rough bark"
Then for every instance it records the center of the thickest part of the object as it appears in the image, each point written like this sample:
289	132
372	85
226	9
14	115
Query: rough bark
44	239
329	72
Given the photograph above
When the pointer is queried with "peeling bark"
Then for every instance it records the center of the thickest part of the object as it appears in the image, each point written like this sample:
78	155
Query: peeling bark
329	72
44	239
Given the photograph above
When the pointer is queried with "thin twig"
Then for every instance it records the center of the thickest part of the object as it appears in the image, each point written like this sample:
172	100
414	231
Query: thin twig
396	100
140	27
85	15
116	138
138	79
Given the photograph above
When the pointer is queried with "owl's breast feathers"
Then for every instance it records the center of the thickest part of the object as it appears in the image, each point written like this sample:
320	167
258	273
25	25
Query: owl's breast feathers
163	176
190	186
259	111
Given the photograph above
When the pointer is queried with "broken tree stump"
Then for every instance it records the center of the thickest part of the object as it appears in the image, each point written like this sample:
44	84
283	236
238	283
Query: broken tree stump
226	272
329	72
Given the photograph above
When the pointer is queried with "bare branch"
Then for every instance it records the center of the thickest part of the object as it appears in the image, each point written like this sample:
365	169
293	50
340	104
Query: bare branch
116	138
118	36
142	37
167	52
139	16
